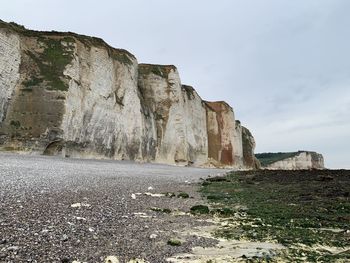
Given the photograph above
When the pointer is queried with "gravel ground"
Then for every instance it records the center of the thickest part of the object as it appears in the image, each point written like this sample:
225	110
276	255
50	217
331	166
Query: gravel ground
39	224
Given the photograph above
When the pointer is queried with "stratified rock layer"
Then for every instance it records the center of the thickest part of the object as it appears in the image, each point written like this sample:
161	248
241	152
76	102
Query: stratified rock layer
75	96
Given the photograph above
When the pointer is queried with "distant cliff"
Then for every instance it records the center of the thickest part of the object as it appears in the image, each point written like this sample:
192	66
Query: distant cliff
75	96
291	161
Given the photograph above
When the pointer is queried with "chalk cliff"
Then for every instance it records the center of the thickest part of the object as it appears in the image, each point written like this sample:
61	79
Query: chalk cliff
178	113
300	160
75	96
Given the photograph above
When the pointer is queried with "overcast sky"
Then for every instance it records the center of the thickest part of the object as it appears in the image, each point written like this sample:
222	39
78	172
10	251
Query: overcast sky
283	65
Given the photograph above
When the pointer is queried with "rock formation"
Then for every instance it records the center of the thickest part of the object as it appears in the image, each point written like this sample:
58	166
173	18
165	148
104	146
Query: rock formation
248	143
300	160
75	96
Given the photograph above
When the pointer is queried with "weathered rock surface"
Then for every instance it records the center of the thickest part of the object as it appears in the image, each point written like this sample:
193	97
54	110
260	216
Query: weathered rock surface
222	135
75	96
291	161
177	113
248	142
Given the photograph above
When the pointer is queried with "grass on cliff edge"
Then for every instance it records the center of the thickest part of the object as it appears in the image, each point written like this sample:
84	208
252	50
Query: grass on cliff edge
306	211
269	158
121	55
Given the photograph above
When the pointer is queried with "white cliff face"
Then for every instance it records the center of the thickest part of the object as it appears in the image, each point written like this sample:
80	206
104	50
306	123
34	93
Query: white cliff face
63	93
196	125
173	146
10	59
248	145
303	160
179	115
238	145
102	107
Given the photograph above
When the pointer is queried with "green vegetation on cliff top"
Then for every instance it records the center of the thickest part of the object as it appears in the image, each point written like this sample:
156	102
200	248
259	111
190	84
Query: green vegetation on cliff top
121	55
159	70
269	158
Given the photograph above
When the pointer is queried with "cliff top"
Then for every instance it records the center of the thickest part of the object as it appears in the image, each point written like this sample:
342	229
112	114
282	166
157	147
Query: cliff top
122	54
269	158
159	70
191	92
217	105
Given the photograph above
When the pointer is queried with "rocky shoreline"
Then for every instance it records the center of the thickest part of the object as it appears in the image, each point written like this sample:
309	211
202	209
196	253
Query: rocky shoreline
61	210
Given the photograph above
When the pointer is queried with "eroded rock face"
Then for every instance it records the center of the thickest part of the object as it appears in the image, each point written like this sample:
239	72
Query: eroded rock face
102	107
75	96
223	137
248	142
10	59
178	113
